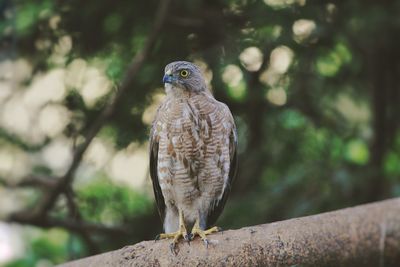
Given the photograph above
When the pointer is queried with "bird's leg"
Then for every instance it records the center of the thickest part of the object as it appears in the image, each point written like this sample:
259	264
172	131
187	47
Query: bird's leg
182	232
196	230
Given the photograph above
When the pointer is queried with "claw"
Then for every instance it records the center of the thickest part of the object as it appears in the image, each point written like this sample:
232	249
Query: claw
203	233
188	238
181	233
172	247
206	242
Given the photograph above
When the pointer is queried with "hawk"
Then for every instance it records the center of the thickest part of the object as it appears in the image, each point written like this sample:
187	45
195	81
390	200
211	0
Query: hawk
193	155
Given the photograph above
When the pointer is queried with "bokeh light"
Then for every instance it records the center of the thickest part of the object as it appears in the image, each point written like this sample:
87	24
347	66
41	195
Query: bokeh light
251	58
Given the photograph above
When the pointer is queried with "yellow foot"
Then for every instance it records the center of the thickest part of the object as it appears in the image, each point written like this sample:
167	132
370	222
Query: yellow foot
203	233
182	232
175	235
175	238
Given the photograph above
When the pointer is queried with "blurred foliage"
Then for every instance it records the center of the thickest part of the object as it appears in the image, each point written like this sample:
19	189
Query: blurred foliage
315	100
50	247
103	201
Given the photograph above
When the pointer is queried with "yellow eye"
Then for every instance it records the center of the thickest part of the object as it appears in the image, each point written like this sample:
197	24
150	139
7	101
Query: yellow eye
184	73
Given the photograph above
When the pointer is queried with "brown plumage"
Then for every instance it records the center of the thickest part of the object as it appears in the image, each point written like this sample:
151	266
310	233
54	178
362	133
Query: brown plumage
192	151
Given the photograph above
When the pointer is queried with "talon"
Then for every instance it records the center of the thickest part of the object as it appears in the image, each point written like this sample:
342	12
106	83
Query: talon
203	233
181	233
172	248
188	237
206	242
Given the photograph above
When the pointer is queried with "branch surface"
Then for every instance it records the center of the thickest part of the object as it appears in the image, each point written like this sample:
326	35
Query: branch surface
366	235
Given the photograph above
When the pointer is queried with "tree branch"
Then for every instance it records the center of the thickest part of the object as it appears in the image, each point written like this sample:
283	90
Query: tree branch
69	224
74	213
31	181
367	235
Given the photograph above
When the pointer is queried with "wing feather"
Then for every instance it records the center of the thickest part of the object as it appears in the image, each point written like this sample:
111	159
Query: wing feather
154	176
219	204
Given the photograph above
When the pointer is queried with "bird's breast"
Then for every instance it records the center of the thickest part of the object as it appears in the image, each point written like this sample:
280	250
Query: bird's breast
186	130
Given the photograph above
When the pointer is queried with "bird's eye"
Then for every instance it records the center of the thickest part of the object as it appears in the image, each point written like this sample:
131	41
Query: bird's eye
184	73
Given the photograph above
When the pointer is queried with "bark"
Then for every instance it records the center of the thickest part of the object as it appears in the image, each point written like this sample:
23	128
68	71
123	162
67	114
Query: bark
366	235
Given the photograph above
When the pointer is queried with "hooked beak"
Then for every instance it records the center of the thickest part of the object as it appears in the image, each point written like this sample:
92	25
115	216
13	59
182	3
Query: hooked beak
168	78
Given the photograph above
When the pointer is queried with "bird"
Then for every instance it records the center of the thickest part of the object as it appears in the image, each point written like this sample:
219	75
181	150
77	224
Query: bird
193	155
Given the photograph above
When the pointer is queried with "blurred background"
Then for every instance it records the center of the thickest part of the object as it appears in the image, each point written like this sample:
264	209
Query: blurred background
313	86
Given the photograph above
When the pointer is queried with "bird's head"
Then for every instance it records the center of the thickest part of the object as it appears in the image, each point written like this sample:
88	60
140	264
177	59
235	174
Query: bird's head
185	76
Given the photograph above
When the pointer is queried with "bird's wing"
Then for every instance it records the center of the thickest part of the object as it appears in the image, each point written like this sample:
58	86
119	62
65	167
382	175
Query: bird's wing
218	205
154	173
